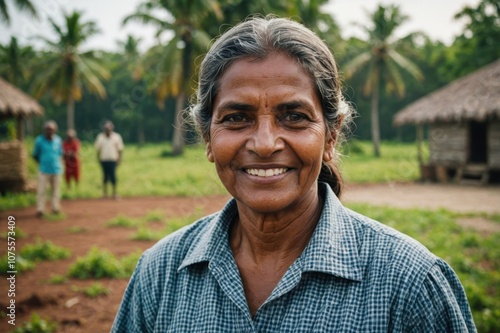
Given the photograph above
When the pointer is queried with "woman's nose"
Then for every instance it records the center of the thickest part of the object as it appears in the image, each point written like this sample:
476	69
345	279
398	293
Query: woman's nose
265	139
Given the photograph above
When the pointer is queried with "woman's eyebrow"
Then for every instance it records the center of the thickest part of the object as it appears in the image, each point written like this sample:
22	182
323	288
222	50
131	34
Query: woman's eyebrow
231	105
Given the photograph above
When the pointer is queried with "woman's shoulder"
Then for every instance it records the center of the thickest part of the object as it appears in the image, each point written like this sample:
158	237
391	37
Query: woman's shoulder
173	248
389	246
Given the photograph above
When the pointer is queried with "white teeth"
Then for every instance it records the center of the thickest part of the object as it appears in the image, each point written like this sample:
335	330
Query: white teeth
266	172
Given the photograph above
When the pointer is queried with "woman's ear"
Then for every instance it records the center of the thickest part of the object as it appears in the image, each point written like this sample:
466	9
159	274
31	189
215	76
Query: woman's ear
331	140
208	151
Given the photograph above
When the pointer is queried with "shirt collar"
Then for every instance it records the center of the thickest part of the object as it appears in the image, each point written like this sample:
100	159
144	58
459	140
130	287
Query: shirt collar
333	248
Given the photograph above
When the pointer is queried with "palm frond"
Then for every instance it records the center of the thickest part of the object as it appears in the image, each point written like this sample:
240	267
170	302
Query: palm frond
355	65
407	64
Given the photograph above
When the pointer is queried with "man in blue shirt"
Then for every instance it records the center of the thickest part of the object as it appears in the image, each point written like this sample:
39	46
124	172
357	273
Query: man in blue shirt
48	152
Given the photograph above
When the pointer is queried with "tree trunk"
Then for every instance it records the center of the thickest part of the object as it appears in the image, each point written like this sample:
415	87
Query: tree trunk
178	139
71	112
375	118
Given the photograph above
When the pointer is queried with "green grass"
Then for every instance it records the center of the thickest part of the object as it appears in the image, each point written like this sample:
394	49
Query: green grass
57	279
44	250
94	290
144	172
398	162
36	325
76	230
123	221
98	263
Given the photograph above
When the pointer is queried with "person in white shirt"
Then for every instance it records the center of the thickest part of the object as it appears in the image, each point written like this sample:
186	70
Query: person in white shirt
109	145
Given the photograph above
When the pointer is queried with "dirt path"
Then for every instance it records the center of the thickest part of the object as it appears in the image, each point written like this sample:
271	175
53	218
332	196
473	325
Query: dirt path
75	312
428	196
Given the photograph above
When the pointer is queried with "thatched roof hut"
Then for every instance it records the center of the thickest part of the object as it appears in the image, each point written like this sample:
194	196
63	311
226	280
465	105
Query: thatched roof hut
15	104
472	97
464	125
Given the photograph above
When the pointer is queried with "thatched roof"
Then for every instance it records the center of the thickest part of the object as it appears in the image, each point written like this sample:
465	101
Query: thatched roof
15	103
473	97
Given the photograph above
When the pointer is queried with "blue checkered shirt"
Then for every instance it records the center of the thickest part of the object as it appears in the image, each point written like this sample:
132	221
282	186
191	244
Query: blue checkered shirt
355	275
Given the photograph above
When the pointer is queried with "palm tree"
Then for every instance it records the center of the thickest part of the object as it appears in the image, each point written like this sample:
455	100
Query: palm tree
15	61
65	70
173	61
382	55
22	5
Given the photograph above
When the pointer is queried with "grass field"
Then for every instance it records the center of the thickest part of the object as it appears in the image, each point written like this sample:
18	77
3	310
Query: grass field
145	171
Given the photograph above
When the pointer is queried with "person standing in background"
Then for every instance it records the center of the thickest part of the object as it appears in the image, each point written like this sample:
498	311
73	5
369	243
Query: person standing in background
71	150
109	146
47	153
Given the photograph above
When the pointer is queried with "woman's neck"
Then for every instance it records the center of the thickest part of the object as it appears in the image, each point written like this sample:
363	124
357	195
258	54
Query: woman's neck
275	236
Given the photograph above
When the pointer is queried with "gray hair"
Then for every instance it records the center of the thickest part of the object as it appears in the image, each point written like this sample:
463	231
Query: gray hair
50	123
258	38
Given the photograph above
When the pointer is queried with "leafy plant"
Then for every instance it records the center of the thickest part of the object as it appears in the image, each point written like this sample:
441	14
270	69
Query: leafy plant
36	325
76	230
122	221
57	279
44	250
146	234
157	215
94	290
97	263
18	231
130	262
20	264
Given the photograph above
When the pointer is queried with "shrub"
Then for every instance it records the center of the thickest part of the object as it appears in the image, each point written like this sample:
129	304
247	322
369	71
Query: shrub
44	250
146	234
157	215
21	265
93	291
36	325
57	279
122	221
97	263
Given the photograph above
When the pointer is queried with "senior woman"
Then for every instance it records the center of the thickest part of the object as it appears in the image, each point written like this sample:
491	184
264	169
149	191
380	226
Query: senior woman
284	255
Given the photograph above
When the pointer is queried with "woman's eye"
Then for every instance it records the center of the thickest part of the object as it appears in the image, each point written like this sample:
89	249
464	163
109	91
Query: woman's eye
294	117
235	118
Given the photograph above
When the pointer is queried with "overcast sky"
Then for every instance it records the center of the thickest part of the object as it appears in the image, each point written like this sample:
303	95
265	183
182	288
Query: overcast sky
434	17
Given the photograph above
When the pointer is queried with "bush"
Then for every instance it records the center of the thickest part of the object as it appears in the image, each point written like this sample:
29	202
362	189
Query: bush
122	221
96	264
36	325
44	250
95	290
99	263
21	265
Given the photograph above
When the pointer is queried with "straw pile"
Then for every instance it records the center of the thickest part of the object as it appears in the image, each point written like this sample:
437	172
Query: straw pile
12	161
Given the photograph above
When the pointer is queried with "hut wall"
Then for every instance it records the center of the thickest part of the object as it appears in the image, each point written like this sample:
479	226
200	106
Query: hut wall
12	161
448	144
494	144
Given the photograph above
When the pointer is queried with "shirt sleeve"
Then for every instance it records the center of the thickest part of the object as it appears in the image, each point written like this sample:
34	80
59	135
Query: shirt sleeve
130	316
440	304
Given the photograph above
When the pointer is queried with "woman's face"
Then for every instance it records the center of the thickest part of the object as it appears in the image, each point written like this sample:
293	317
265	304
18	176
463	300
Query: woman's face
268	136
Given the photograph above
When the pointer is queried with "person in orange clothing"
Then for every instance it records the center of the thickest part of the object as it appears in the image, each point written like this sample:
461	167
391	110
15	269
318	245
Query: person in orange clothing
71	150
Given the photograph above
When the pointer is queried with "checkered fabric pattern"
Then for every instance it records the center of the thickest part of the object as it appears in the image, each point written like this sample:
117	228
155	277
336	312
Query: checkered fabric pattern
355	275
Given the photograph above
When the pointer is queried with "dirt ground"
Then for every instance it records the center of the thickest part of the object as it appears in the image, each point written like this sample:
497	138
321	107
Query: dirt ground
75	312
